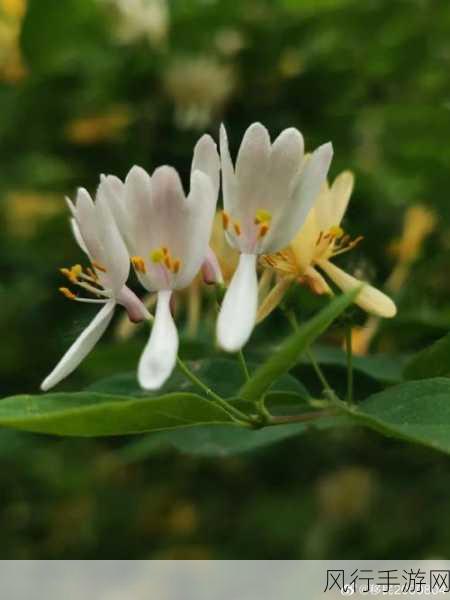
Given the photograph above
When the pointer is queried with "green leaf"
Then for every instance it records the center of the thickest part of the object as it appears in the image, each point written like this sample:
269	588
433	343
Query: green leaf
219	441
418	411
433	361
290	350
93	414
382	367
224	376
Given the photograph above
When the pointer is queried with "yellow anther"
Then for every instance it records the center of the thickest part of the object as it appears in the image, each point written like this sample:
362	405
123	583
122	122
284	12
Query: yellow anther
165	250
67	293
225	220
168	262
263	216
336	232
157	255
98	266
138	263
66	272
237	228
176	266
263	229
76	270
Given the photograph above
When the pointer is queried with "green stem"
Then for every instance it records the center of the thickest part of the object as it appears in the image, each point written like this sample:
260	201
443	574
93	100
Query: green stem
315	365
235	413
243	364
303	418
348	345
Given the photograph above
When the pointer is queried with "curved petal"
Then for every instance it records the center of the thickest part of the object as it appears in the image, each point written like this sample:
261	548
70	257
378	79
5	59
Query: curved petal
229	190
341	190
115	253
273	298
369	299
238	311
81	347
77	235
192	235
211	269
206	159
285	162
114	188
138	189
306	190
87	223
159	357
137	312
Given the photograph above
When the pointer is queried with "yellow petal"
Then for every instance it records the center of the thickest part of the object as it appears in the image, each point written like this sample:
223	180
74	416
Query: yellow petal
273	298
341	191
369	299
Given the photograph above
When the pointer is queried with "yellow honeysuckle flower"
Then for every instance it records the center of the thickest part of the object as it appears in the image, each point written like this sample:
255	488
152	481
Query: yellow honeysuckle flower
310	254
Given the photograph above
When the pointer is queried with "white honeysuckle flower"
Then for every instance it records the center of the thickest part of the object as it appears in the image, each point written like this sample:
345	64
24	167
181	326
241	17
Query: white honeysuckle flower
319	240
168	234
96	233
267	197
148	19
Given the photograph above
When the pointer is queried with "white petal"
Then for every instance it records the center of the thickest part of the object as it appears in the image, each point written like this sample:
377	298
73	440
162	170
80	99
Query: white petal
206	159
115	253
237	315
87	223
77	235
138	189
285	160
252	170
81	347
114	188
71	206
159	357
229	186
369	299
303	196
194	232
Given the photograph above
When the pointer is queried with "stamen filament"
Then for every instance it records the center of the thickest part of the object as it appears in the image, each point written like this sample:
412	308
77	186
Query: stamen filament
98	266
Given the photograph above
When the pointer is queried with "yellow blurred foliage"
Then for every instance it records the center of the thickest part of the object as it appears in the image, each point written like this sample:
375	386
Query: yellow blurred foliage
98	128
26	211
12	67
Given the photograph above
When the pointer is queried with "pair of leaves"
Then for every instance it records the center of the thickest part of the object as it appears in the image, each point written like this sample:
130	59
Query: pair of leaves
177	405
179	416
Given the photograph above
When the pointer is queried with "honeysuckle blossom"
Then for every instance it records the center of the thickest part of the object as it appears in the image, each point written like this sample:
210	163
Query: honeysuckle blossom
311	252
167	234
266	199
98	236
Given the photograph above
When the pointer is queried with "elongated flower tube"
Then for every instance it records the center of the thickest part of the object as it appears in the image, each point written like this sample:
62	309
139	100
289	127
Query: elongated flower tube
311	251
167	234
98	236
266	199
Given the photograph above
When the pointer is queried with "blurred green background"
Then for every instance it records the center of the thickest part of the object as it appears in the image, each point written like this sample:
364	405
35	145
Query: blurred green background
95	86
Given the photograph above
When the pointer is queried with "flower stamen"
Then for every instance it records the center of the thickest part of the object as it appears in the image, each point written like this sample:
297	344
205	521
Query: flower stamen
98	266
225	220
139	264
67	293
